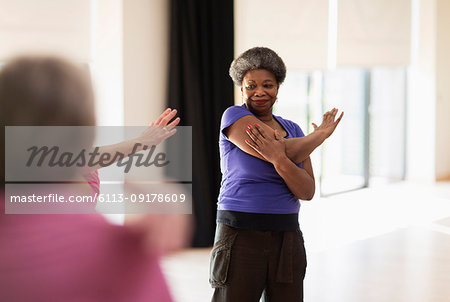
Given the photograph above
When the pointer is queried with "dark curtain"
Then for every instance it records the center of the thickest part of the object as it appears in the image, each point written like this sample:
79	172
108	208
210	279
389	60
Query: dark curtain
201	50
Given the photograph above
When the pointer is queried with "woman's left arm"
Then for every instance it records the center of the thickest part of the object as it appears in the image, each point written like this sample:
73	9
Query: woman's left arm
299	180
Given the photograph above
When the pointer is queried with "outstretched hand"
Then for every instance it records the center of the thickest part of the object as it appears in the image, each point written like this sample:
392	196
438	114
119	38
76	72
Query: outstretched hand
166	117
329	123
160	130
163	233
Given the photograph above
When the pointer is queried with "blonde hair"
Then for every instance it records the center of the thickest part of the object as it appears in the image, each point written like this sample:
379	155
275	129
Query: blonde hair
44	91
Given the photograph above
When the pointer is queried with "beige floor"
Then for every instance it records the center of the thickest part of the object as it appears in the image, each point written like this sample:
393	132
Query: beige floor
385	244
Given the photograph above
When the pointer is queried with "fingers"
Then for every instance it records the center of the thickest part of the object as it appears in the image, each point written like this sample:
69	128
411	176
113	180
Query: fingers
333	117
253	134
173	123
164	114
166	119
325	120
260	130
277	135
329	120
333	113
330	116
253	145
340	118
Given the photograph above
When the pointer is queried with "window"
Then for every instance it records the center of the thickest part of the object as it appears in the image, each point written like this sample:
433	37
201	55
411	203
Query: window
374	105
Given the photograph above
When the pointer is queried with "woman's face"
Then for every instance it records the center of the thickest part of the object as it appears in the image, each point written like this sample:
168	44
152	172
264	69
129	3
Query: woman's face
259	91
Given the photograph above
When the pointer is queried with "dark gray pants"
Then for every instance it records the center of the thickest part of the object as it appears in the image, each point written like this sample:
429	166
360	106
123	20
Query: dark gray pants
246	264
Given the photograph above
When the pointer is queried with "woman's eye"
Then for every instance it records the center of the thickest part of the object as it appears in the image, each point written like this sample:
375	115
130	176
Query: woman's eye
268	86
250	87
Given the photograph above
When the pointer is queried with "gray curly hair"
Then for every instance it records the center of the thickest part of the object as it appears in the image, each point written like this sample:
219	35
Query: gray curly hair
257	58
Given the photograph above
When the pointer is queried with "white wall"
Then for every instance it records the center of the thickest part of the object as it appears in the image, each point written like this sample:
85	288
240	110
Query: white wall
296	29
59	27
373	33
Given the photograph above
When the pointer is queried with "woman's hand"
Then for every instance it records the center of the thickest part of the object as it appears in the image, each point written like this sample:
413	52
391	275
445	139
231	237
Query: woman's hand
162	233
165	117
272	148
156	133
328	123
160	130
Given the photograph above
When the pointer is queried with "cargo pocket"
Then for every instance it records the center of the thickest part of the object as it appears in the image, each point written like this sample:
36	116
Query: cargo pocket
220	261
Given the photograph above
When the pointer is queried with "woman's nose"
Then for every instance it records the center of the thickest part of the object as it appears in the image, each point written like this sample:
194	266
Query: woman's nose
260	92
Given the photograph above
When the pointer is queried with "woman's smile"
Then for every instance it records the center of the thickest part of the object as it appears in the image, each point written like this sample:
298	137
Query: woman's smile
260	102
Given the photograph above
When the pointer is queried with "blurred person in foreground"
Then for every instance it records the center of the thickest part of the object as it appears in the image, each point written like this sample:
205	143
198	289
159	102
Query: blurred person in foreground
63	257
266	170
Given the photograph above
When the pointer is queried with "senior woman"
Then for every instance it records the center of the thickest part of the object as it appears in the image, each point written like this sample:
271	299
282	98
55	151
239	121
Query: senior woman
266	169
59	257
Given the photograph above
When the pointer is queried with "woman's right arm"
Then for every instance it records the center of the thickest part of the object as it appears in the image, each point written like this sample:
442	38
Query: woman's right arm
156	133
297	149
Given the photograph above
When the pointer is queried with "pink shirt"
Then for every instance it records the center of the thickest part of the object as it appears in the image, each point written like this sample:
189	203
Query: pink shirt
75	258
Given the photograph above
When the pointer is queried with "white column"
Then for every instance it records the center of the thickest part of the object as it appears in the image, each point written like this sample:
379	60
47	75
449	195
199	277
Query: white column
422	93
443	91
145	59
107	65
